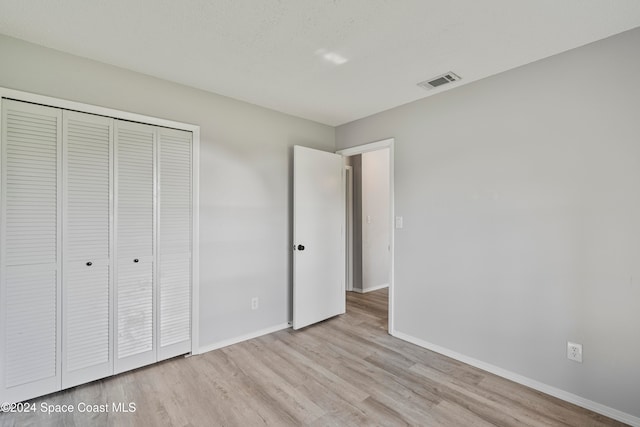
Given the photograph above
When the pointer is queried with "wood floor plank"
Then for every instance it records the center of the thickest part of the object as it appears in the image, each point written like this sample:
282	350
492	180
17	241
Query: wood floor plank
485	408
320	374
284	394
346	371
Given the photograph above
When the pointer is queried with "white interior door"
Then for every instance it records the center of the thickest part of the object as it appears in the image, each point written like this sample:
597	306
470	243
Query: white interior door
318	236
174	243
135	337
86	286
30	230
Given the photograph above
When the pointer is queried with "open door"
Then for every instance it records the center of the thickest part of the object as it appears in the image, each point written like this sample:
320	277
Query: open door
318	236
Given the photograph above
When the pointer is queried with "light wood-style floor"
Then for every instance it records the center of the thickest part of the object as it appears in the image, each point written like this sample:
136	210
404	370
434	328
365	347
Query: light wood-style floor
342	372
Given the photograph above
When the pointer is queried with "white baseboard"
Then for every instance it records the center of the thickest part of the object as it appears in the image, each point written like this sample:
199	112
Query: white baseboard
246	337
375	288
544	388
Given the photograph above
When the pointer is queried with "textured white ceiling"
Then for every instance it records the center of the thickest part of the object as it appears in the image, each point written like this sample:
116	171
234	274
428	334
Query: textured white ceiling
270	52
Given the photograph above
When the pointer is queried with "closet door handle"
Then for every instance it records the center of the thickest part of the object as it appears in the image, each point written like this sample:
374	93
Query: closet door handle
136	260
89	264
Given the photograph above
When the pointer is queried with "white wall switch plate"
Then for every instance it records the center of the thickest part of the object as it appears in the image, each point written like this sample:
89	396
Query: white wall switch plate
399	222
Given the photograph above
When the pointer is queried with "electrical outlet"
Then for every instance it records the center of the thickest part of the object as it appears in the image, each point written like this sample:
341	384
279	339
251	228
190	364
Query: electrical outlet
254	303
574	351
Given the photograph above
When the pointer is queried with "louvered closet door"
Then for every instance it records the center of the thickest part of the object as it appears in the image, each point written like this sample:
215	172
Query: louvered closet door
135	337
86	318
30	232
174	244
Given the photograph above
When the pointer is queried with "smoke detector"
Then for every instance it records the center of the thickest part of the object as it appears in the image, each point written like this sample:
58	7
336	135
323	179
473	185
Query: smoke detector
439	80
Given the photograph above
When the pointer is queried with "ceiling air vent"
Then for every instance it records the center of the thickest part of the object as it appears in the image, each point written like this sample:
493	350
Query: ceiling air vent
439	81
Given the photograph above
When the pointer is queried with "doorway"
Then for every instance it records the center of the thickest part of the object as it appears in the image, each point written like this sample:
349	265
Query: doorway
370	220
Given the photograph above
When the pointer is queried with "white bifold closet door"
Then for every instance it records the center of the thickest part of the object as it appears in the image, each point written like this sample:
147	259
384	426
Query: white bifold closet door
30	242
174	242
86	287
135	338
96	239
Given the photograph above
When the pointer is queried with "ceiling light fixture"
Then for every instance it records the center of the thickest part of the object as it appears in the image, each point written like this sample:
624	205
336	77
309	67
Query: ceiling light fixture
332	57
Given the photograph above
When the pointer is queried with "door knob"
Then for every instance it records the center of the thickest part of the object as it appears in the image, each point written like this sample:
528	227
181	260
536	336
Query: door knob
89	264
136	260
301	247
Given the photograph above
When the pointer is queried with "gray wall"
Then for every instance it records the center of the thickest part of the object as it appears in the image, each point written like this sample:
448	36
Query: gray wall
376	258
245	175
371	261
521	202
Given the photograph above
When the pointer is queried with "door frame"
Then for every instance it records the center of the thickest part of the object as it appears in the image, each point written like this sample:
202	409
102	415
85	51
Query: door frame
365	148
